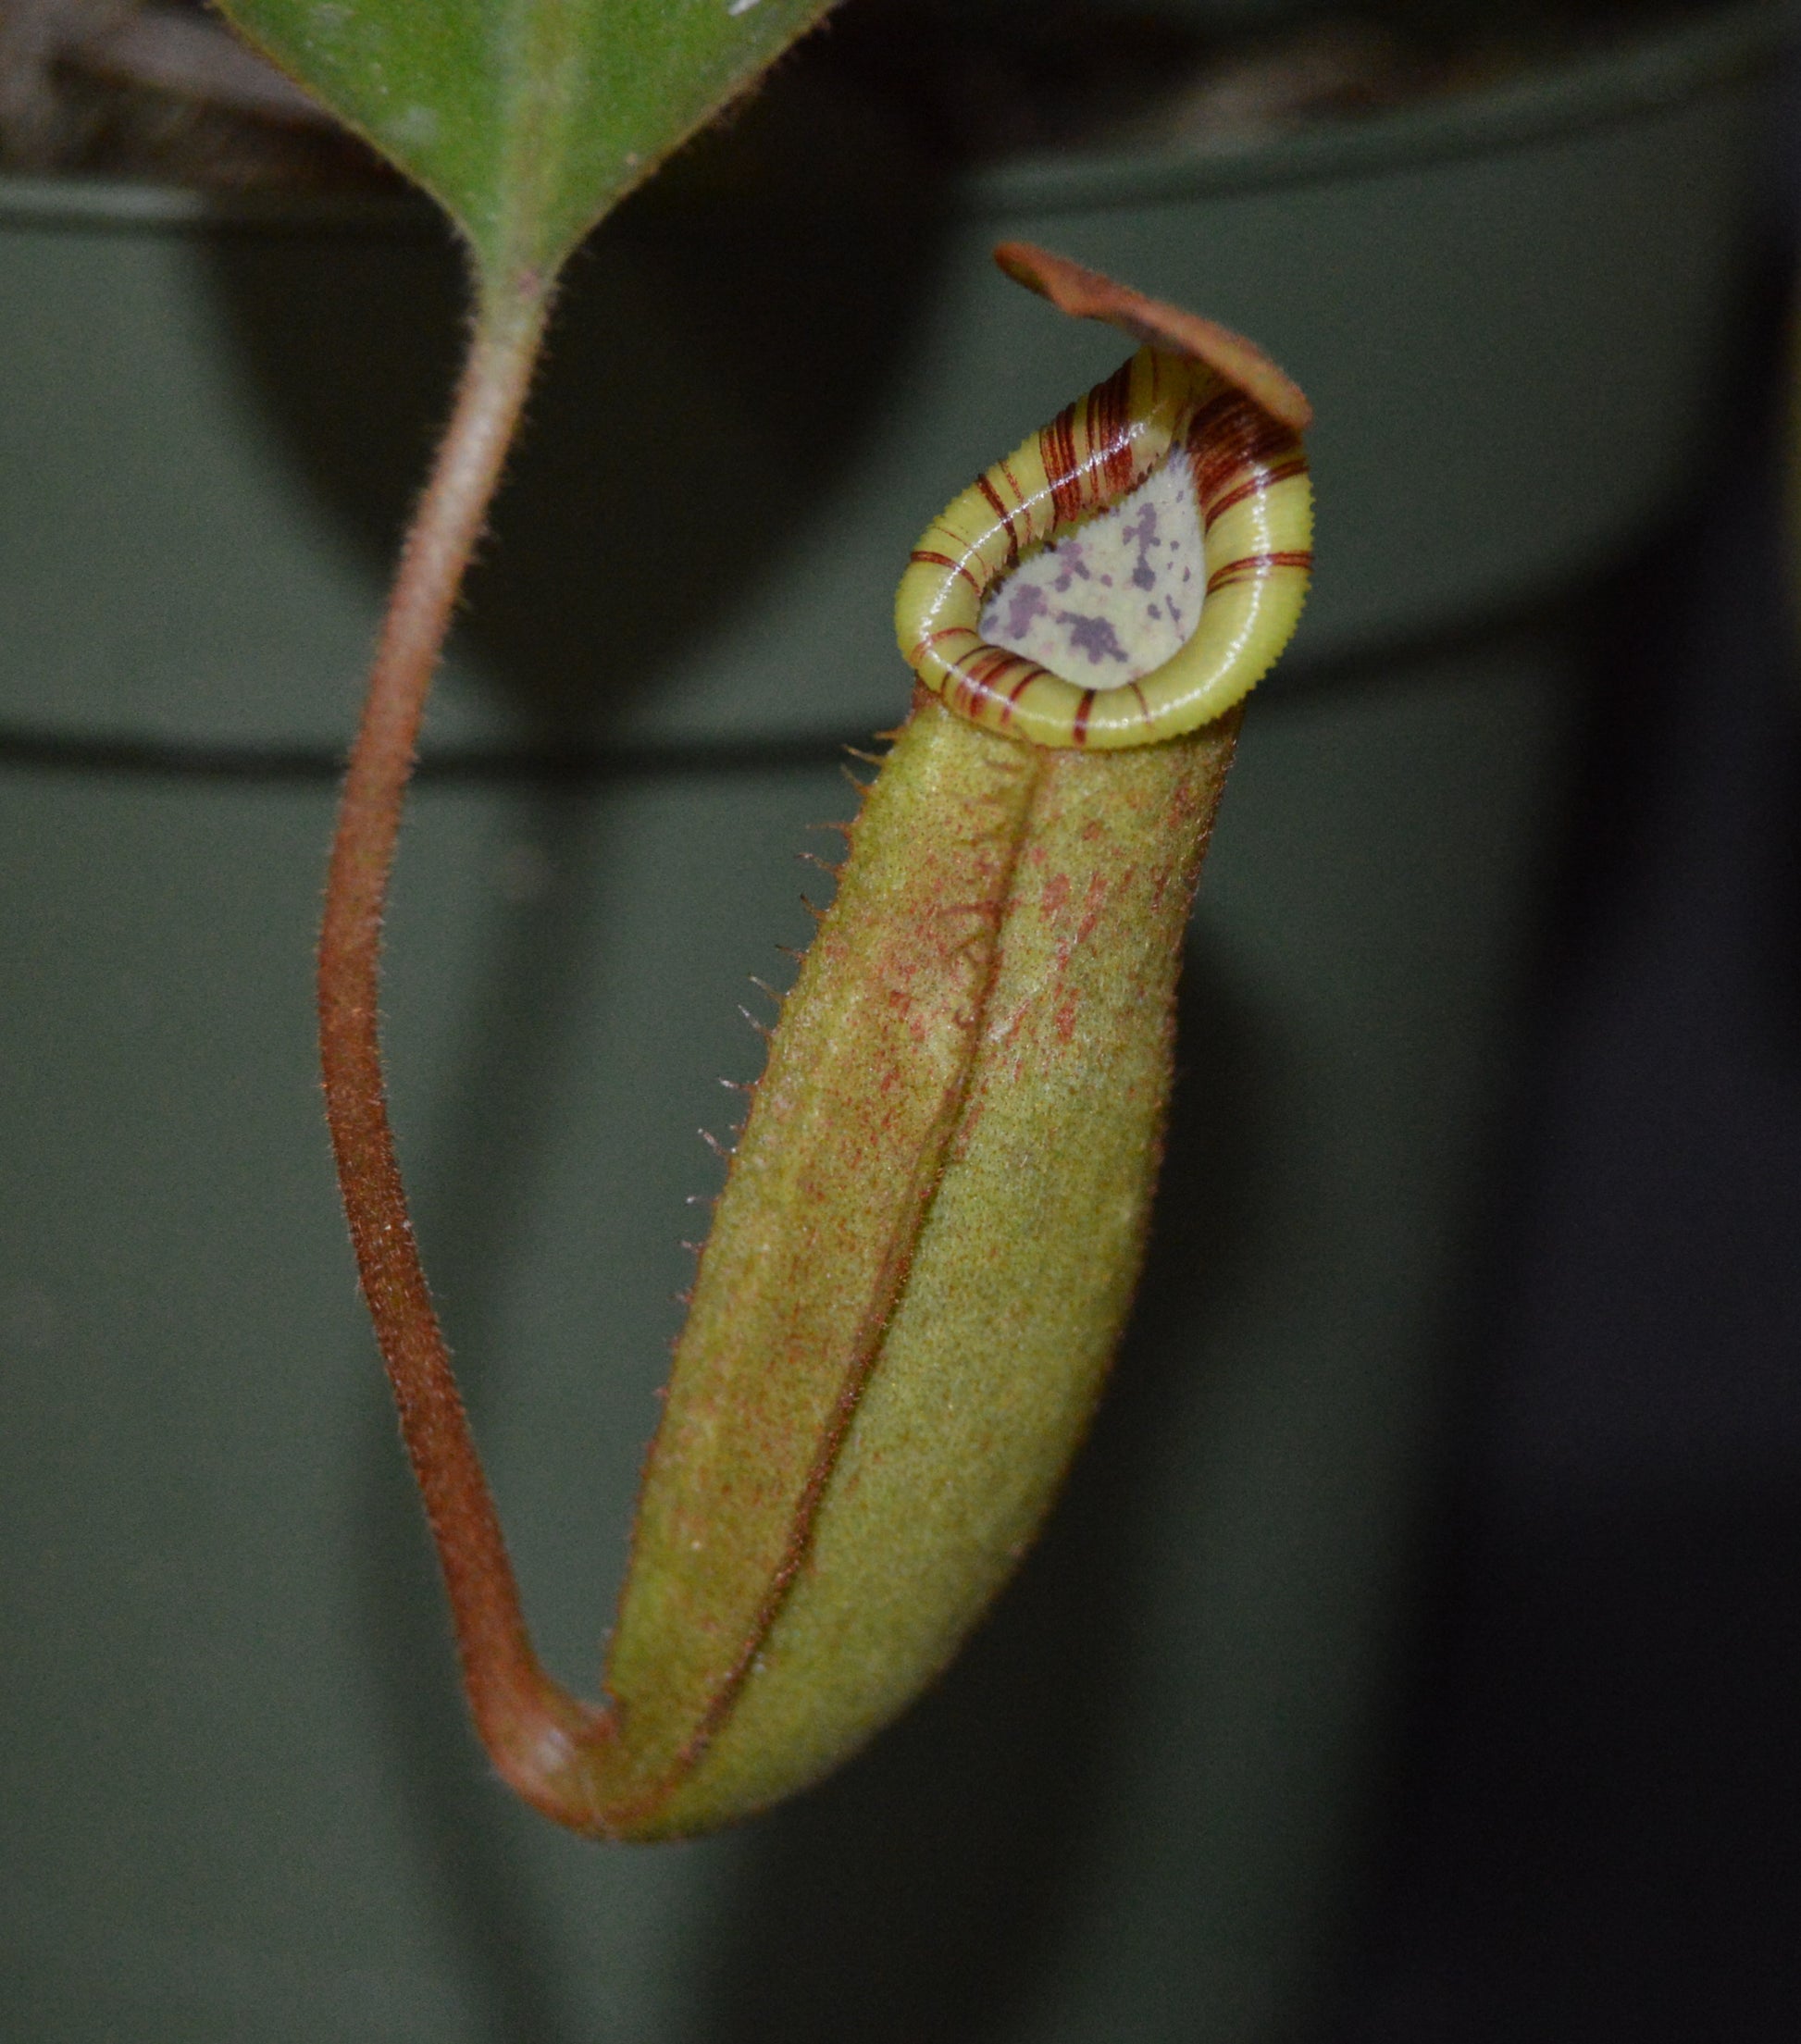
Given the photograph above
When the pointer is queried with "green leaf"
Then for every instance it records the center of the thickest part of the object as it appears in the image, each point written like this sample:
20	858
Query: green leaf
526	119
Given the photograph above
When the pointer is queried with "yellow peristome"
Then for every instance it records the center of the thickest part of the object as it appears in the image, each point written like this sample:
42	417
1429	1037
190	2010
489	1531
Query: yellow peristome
1256	515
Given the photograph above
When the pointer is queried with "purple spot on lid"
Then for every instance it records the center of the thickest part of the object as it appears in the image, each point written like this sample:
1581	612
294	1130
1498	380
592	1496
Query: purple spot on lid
1093	636
1142	533
1025	603
1069	559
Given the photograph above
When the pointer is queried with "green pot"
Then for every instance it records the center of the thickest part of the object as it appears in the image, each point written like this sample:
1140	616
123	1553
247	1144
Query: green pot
241	1803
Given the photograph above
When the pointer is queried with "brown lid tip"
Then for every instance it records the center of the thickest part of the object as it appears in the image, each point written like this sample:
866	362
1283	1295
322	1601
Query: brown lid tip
1086	294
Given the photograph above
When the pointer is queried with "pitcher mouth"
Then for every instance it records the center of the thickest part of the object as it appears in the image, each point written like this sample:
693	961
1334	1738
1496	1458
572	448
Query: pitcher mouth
1117	595
1161	412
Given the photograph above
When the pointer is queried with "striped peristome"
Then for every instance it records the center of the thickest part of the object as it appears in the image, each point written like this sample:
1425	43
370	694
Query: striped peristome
1255	505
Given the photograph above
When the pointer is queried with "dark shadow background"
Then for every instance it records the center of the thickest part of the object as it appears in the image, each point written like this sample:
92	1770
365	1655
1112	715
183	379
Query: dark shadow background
1593	1821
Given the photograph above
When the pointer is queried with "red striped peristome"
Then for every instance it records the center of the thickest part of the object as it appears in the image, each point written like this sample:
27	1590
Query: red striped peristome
1254	504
